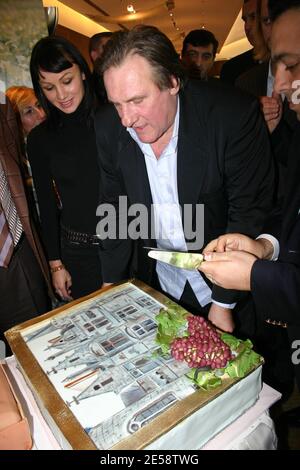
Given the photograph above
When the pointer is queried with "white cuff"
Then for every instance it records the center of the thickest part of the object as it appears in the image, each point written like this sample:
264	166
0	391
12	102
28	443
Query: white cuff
275	243
230	306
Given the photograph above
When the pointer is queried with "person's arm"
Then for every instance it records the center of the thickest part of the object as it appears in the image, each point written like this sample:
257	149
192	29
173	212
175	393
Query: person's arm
43	182
249	179
261	248
115	252
275	287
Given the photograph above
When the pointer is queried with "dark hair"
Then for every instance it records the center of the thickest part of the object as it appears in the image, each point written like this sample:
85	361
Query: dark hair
55	54
200	37
94	40
278	7
151	44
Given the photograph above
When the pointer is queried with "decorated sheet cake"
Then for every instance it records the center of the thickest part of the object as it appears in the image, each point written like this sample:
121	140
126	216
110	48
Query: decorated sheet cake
124	367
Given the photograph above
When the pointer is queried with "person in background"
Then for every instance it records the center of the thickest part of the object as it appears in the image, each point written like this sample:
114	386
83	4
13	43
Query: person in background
234	67
24	273
198	53
259	81
96	47
26	106
29	114
171	146
97	43
63	149
269	267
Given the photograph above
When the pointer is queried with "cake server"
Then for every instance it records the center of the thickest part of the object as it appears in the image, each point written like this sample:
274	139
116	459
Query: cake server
178	259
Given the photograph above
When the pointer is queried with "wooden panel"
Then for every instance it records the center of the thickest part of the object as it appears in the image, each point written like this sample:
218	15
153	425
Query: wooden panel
79	40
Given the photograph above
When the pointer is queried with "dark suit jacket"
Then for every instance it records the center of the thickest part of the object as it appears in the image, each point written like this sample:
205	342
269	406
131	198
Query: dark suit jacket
276	285
11	163
236	66
223	162
255	80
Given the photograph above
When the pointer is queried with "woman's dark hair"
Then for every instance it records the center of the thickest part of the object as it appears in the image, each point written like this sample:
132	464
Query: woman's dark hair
55	54
151	44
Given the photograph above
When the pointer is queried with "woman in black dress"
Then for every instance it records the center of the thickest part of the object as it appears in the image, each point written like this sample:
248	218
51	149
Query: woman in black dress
63	149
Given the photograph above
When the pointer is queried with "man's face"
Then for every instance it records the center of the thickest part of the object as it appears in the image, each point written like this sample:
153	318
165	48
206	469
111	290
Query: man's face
97	53
201	57
285	47
141	105
266	24
249	18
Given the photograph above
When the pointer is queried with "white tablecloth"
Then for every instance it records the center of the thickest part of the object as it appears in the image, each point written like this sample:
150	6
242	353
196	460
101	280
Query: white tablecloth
254	430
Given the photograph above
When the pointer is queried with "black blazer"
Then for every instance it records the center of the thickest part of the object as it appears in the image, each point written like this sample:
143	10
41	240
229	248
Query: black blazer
255	80
276	285
236	66
223	162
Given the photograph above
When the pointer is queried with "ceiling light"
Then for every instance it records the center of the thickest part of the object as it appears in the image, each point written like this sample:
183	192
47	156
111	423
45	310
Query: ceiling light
130	9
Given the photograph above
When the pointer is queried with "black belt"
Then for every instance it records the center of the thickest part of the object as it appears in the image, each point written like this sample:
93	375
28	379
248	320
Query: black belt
79	238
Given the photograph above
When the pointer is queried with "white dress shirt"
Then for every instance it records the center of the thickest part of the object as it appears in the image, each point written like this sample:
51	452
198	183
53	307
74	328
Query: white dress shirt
162	175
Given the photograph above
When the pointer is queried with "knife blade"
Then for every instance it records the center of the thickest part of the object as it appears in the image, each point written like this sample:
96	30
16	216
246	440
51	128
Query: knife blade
178	259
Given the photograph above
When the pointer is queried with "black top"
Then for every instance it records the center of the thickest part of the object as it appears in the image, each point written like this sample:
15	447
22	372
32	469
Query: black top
68	156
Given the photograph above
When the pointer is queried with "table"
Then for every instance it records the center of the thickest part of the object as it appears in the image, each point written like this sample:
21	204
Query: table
254	430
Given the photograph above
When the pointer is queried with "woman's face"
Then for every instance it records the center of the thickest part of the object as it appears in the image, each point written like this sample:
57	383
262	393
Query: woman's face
65	89
32	114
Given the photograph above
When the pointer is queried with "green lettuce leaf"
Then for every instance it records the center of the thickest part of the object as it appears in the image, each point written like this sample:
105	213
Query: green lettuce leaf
172	323
206	380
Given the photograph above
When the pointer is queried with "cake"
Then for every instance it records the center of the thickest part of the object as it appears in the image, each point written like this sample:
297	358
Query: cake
101	381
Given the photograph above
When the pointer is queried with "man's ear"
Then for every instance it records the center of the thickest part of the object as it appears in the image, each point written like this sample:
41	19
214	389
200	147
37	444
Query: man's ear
175	85
94	55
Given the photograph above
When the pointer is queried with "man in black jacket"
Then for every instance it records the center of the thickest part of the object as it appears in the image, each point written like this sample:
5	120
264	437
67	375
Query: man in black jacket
271	269
238	65
173	148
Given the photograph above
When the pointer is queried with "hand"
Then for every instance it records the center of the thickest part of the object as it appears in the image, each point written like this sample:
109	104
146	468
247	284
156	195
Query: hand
62	283
221	317
272	110
260	248
231	270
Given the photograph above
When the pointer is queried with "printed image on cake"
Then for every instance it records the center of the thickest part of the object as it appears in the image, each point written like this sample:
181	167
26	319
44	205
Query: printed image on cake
126	368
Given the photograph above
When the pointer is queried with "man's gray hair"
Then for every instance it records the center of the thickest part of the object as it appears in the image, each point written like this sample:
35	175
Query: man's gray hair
151	44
